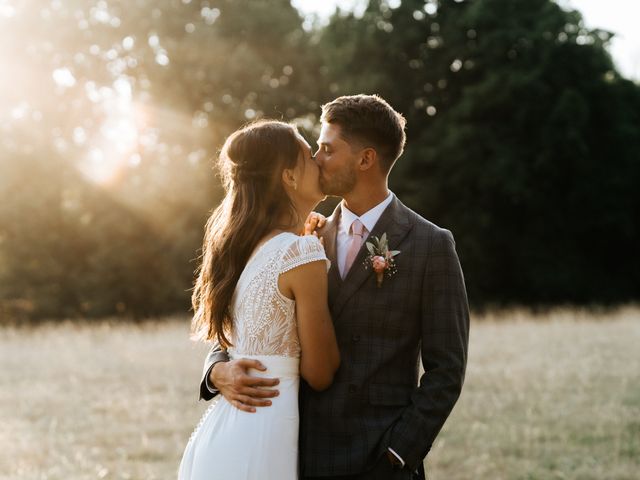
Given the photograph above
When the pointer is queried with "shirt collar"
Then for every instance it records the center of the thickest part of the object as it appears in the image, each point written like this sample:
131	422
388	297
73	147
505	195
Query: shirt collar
368	219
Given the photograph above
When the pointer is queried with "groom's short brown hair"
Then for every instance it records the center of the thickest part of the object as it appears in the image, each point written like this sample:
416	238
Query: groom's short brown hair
369	120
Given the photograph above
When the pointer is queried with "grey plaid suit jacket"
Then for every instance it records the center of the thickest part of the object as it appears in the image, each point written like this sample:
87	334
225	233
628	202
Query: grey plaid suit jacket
376	401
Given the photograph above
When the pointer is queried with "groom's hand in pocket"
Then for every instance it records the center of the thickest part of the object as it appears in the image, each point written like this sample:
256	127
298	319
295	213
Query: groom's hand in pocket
241	389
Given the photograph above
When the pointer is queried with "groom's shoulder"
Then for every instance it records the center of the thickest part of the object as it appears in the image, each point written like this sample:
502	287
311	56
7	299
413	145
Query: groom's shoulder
427	232
423	225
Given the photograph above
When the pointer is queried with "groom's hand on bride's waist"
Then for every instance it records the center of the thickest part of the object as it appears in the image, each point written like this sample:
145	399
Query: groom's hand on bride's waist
241	389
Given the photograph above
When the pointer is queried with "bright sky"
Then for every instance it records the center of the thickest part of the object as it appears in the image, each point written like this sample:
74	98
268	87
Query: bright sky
618	16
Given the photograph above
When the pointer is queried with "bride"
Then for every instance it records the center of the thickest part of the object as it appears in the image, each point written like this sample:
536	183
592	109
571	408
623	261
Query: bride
261	292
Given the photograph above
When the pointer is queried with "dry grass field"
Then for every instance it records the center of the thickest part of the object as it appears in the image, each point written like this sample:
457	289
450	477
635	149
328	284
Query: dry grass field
555	396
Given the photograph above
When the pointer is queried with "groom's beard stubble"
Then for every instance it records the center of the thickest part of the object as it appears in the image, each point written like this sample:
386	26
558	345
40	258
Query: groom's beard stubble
342	182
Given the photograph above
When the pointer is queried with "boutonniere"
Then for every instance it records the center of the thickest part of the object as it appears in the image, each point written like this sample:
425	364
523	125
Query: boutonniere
381	258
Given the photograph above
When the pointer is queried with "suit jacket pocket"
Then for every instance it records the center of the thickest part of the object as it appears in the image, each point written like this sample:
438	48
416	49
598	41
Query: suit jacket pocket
390	395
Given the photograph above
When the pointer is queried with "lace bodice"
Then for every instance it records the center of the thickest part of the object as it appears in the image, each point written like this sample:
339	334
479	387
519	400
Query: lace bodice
264	319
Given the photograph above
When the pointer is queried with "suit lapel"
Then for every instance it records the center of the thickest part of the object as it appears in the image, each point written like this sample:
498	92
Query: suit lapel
395	222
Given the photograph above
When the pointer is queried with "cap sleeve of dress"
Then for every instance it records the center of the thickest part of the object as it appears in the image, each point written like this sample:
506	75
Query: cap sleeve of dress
301	250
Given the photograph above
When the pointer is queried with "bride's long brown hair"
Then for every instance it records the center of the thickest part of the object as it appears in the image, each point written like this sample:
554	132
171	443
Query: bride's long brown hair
250	165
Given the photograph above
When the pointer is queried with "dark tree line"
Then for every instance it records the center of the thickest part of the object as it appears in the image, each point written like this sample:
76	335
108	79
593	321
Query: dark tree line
523	140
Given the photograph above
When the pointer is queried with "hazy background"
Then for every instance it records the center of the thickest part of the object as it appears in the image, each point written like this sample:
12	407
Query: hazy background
523	139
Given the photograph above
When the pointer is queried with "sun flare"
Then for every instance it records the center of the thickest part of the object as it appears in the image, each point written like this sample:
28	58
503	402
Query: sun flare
115	148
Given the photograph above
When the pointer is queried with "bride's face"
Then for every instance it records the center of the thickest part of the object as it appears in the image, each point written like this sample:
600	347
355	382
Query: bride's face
307	174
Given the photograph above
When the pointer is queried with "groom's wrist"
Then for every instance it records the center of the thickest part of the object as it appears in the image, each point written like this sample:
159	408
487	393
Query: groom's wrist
209	381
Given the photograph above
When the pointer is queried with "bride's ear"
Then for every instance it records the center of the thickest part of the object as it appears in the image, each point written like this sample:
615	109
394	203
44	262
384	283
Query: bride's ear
289	178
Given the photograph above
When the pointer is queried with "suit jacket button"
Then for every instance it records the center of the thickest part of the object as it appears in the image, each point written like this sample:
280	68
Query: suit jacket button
355	338
353	388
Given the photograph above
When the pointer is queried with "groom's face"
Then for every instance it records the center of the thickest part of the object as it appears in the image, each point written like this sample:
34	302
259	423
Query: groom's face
337	160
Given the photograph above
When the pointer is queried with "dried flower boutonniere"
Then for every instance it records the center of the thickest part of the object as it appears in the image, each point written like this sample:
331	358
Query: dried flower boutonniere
381	258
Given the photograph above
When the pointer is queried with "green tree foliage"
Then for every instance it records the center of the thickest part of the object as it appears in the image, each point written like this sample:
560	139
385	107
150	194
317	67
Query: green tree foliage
111	117
523	139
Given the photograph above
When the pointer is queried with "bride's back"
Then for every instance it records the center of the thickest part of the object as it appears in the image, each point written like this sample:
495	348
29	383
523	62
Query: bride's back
263	318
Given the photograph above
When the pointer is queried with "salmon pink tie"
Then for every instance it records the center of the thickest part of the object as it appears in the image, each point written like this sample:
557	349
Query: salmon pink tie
357	231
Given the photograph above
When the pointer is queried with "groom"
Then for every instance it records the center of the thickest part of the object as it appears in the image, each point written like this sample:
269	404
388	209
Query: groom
376	421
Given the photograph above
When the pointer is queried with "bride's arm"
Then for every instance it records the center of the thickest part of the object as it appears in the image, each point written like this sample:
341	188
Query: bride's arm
319	358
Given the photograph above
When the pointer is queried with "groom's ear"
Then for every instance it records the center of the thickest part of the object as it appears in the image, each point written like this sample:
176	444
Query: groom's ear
368	158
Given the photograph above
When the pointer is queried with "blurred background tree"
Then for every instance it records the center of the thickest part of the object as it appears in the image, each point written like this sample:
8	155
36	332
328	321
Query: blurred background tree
523	140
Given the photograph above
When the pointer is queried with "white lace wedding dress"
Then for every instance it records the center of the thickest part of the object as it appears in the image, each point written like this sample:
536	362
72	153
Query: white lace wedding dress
234	445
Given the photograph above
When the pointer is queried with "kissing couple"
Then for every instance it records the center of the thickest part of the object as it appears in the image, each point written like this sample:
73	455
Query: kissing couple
350	305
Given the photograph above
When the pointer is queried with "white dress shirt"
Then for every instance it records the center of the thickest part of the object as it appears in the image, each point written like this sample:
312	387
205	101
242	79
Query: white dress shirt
368	219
